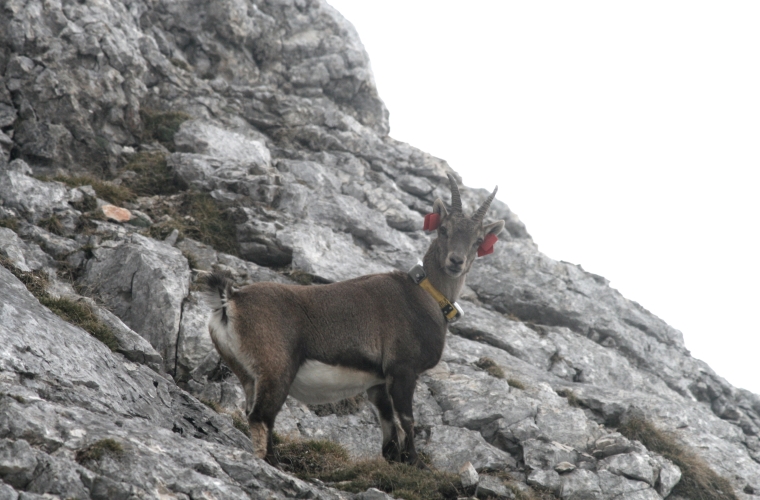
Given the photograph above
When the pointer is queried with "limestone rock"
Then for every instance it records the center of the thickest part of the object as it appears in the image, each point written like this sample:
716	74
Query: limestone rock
78	392
490	486
448	447
25	256
580	484
144	283
468	475
669	476
33	198
631	465
545	479
374	494
271	109
58	247
563	467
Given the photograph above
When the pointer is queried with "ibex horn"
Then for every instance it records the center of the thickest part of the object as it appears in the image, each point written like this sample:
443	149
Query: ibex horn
456	201
484	207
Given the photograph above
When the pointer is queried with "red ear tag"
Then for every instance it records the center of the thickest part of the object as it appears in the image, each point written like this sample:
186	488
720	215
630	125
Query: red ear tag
432	221
486	247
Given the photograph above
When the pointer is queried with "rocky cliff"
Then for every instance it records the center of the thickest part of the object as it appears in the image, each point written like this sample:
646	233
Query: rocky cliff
143	142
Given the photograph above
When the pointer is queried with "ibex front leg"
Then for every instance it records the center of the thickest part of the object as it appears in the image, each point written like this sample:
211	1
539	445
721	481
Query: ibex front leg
382	401
400	388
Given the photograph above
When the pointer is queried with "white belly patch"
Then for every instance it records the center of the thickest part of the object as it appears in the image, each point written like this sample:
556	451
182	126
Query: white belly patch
318	383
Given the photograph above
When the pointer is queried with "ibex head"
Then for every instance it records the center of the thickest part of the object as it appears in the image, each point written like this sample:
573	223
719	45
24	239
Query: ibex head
459	236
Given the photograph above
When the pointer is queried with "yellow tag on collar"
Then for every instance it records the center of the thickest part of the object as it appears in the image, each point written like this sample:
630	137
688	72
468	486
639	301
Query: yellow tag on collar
449	310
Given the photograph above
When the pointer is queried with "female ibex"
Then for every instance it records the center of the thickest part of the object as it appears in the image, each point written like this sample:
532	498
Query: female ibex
375	333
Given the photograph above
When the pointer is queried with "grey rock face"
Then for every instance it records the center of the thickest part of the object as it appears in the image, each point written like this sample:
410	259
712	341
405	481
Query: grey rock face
32	198
287	134
144	283
24	255
468	475
75	392
493	487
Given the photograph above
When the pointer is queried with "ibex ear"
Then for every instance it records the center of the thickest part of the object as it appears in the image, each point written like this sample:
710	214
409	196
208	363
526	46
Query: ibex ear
494	228
491	230
439	208
433	220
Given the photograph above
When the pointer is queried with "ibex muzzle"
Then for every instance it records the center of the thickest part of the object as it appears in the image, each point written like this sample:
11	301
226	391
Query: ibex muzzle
376	333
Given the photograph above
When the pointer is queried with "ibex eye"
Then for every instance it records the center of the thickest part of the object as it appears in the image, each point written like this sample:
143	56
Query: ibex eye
442	231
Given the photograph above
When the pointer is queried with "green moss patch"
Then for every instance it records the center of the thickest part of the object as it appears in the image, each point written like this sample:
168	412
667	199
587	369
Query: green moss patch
490	367
74	312
698	480
98	450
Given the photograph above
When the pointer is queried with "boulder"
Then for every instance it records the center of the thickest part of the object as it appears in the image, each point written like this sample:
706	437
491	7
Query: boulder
143	282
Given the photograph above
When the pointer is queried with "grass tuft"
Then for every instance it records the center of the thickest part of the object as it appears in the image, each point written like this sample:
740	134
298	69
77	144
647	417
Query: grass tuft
113	193
698	480
240	423
74	312
161	125
82	315
154	177
10	223
572	399
213	405
52	224
98	450
237	417
490	367
196	215
329	462
517	384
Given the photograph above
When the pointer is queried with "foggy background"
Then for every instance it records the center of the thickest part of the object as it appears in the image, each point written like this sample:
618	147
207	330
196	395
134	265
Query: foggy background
626	136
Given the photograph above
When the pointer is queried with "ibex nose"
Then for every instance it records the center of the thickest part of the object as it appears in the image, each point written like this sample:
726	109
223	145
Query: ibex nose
456	260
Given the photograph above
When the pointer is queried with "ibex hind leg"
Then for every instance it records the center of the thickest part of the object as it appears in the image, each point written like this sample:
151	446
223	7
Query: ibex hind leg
378	395
269	395
257	429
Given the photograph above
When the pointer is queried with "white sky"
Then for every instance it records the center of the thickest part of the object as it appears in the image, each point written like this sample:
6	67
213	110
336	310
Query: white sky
626	135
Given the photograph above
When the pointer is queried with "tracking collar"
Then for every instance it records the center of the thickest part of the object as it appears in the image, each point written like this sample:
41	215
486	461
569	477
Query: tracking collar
451	311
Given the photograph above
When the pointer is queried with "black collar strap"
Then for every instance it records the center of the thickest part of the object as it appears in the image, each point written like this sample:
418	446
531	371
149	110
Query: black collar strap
451	312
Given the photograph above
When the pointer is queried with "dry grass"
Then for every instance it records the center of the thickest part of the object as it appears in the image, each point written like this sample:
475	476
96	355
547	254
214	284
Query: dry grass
74	312
698	480
153	175
517	384
240	423
113	193
52	224
329	462
195	215
572	399
98	450
10	223
238	420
